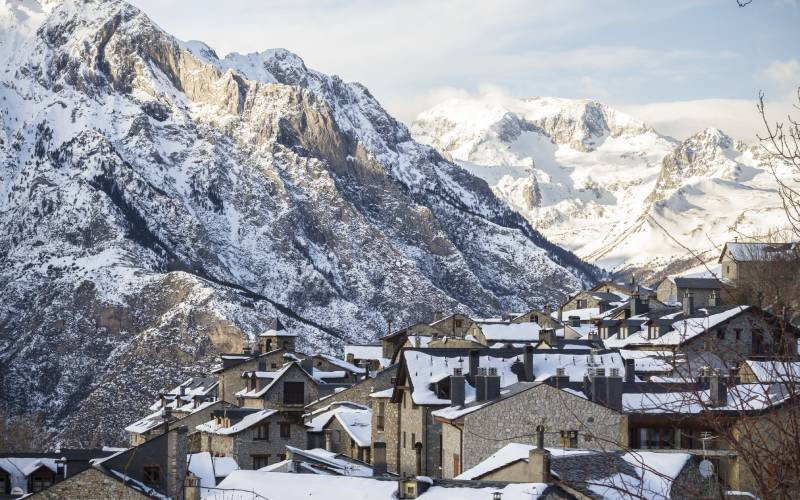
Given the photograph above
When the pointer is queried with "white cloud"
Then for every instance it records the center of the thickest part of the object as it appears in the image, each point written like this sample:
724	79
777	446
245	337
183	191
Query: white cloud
784	72
736	117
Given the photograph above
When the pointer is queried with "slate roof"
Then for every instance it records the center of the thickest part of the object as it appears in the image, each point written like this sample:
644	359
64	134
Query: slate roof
697	283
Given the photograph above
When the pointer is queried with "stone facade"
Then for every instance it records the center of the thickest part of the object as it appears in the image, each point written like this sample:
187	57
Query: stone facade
190	421
247	450
231	381
339	441
358	393
455	325
389	431
515	418
90	484
669	293
419	439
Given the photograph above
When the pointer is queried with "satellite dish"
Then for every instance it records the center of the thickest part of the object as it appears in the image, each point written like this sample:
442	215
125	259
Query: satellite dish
706	468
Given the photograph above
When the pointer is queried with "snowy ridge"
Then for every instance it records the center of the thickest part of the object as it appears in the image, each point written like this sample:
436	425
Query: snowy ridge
606	185
163	204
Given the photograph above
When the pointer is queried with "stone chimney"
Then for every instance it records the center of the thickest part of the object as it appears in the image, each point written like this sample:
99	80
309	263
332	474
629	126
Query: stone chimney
262	365
688	304
492	382
528	363
560	379
548	336
637	305
560	314
614	390
191	487
539	460
480	385
630	371
713	299
606	389
247	350
176	460
379	458
718	391
457	388
474	364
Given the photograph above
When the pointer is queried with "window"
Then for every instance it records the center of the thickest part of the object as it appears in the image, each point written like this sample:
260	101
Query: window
262	432
274	365
293	393
286	429
581	303
534	318
404	440
152	475
413	439
269	345
459	323
651	438
738	333
260	461
569	439
721	334
381	415
281	457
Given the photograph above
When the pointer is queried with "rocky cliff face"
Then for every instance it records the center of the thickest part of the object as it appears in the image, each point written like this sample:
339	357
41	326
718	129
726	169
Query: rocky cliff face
606	185
162	203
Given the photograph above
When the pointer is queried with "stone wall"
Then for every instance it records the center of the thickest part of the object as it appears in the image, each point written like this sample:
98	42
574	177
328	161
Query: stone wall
451	451
341	442
274	397
390	432
90	484
514	420
243	446
417	426
231	381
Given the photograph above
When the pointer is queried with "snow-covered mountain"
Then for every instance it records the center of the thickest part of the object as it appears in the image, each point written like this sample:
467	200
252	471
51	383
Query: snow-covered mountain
606	185
160	204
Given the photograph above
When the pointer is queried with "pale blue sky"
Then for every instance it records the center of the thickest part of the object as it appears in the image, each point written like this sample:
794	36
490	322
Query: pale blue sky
412	53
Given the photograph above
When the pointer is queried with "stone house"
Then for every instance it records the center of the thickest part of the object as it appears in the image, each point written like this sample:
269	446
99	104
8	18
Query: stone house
742	260
569	420
544	318
229	374
288	389
395	341
276	337
34	472
588	306
512	334
728	333
343	428
453	325
706	291
254	438
93	484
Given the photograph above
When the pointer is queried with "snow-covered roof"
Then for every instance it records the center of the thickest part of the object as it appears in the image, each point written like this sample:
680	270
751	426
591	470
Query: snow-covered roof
509	454
775	371
246	422
208	469
683	329
332	462
386	393
156	418
278	333
742	397
356	419
585	314
341	363
751	251
19	468
243	484
513	332
423	367
273	377
364	351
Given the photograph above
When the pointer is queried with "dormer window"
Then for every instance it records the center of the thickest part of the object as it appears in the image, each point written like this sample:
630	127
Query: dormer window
534	318
459	323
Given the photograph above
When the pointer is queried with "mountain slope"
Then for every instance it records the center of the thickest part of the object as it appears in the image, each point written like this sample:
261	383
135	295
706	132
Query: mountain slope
163	203
606	185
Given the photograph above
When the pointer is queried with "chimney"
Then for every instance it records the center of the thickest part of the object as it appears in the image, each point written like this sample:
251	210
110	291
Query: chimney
457	388
637	305
474	362
688	304
492	382
575	321
560	379
191	487
176	460
262	365
328	439
247	350
539	460
614	390
718	390
548	335
480	385
630	371
379	457
528	363
351	358
713	299
560	314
